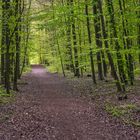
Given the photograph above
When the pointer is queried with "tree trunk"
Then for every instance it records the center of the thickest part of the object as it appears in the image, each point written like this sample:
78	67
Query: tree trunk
89	40
127	45
111	62
7	43
117	46
3	43
76	59
98	40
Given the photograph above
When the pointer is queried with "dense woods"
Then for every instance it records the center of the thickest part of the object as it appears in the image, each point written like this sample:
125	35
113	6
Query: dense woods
95	38
14	41
69	69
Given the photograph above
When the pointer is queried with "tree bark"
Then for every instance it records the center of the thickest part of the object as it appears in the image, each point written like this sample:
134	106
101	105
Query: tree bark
111	62
90	41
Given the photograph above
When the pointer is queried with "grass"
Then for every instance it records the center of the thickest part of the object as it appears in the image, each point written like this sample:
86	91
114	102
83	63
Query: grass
125	112
27	70
4	100
120	110
4	97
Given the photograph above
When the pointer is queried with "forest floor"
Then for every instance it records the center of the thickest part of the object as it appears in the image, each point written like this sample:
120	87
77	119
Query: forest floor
49	107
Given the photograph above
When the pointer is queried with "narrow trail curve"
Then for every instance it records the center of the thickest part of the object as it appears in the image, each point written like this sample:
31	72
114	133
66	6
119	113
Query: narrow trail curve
46	110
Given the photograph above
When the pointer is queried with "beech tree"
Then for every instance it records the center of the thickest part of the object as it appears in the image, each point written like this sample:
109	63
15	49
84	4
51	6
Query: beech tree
87	38
12	16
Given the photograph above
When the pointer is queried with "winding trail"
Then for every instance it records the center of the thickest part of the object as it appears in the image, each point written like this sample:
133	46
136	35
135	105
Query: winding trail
46	109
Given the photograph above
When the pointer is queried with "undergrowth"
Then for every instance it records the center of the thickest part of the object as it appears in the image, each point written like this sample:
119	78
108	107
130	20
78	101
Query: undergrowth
125	112
4	97
27	70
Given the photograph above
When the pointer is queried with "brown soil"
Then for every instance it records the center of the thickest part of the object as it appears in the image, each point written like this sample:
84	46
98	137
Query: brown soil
48	109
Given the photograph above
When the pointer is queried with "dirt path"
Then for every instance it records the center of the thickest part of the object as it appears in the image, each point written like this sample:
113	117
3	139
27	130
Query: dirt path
46	110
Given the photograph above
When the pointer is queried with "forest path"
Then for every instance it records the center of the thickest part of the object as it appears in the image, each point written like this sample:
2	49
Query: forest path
46	110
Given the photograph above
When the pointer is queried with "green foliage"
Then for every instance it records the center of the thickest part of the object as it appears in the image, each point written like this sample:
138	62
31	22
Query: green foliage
119	111
4	97
115	111
63	37
137	71
27	69
125	112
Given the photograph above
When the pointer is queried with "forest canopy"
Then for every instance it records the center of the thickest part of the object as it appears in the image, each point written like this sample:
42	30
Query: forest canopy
95	38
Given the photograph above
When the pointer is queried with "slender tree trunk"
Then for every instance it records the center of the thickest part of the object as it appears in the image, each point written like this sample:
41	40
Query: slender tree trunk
127	45
90	41
25	50
69	50
61	59
117	46
80	41
76	59
3	43
81	51
98	40
27	30
69	59
7	41
111	62
17	40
